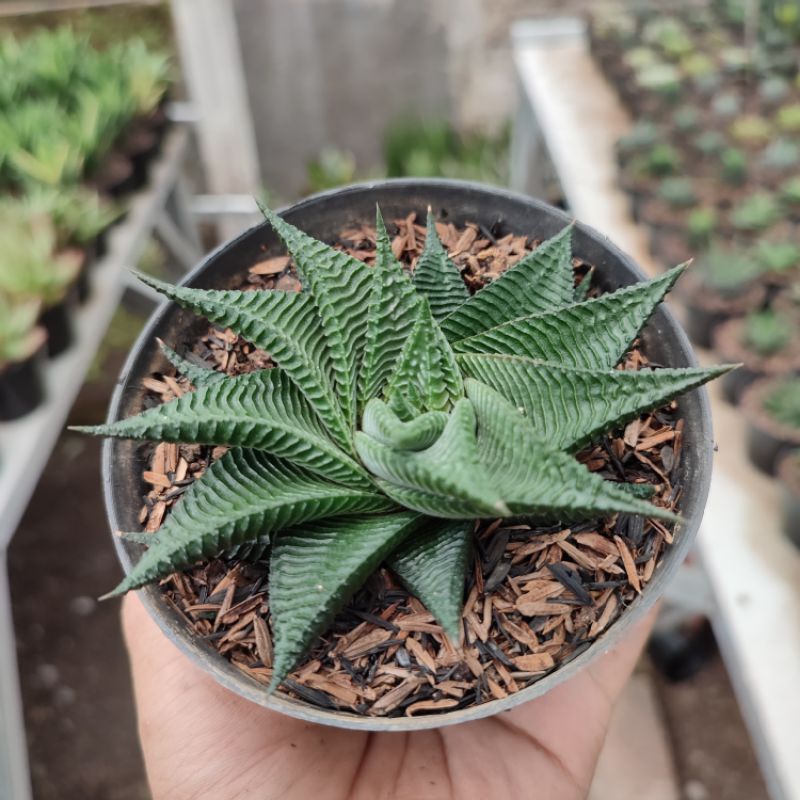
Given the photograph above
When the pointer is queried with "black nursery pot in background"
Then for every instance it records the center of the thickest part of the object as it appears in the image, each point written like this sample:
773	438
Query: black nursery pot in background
21	388
324	216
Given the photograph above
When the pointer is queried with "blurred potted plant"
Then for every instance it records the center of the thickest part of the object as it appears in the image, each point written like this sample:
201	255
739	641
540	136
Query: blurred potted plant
21	342
772	406
32	270
766	343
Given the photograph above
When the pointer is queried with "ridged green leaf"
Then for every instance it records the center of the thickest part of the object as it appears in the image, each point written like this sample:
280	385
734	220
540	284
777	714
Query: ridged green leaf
338	284
426	377
195	374
382	424
570	407
286	325
432	563
437	277
546	483
540	282
594	334
244	496
392	314
450	468
314	570
262	410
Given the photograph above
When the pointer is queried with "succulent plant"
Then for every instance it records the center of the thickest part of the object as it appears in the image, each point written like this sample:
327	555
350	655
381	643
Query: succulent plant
79	214
661	159
781	154
727	271
30	267
782	403
686	119
20	336
669	34
751	130
709	142
698	65
778	256
401	411
774	89
788	118
757	212
663	79
638	58
766	332
147	74
790	191
677	192
643	135
735	59
726	104
701	224
733	163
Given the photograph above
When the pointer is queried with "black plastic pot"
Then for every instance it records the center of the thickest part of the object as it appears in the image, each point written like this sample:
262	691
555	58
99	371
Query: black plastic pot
325	216
21	388
789	474
767	440
57	322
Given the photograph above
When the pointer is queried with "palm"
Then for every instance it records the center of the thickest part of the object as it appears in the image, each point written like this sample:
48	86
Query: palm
199	740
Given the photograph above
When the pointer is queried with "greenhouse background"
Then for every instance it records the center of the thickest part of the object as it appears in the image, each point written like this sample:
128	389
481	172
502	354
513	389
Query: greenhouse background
140	135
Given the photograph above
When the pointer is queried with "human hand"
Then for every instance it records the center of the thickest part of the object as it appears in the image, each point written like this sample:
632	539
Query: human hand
202	741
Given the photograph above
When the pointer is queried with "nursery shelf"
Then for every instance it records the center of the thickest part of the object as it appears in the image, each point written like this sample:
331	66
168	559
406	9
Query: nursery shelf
569	118
26	444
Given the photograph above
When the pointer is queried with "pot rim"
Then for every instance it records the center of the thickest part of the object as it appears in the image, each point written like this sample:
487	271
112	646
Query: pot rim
233	679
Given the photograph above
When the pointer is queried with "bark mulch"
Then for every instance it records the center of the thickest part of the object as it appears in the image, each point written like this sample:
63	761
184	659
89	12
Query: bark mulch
535	598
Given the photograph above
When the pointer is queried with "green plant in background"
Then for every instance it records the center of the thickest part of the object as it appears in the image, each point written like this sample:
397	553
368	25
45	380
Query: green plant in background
662	79
750	130
20	335
774	89
333	167
735	59
790	191
780	155
401	411
701	225
30	268
661	159
783	402
639	58
669	34
733	166
778	256
79	214
726	105
686	119
757	212
709	142
728	272
435	149
148	74
677	193
788	118
698	65
766	332
643	135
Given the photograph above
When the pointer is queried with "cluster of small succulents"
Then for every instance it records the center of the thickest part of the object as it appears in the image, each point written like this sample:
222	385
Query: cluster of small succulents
64	107
714	169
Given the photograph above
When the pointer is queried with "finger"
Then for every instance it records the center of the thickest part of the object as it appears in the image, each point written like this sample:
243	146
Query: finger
195	733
